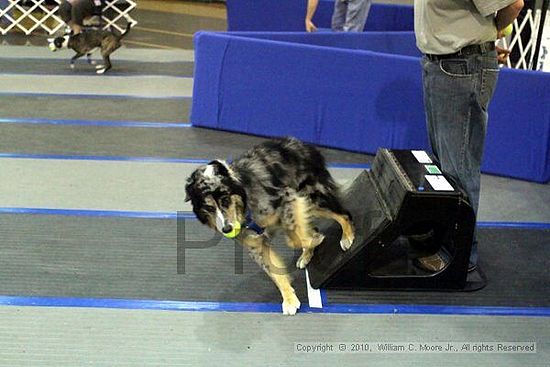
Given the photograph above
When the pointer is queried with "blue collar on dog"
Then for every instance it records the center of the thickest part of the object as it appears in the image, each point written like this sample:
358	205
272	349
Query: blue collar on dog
250	224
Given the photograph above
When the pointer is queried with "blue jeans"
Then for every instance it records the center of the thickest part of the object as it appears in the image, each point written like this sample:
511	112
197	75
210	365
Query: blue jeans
457	92
350	15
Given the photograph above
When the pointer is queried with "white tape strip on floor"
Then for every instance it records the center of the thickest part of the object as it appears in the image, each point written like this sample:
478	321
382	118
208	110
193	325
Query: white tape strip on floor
313	295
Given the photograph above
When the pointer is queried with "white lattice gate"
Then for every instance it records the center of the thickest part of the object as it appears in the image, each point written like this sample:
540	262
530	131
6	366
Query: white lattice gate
36	15
526	51
116	14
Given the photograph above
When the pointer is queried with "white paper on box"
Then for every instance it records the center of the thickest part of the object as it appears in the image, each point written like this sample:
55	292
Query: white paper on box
421	156
439	183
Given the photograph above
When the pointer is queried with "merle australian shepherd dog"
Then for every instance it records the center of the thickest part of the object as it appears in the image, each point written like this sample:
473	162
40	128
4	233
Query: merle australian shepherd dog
282	185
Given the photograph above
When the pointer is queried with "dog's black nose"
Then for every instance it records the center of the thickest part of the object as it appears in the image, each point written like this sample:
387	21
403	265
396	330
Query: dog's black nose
227	228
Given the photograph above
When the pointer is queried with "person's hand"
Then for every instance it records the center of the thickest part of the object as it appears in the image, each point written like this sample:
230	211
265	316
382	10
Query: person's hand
502	55
310	27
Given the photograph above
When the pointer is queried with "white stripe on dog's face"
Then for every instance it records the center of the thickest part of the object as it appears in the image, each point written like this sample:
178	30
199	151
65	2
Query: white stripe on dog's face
209	171
65	41
220	220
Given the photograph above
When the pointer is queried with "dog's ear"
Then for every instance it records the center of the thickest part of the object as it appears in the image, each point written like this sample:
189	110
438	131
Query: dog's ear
220	167
189	188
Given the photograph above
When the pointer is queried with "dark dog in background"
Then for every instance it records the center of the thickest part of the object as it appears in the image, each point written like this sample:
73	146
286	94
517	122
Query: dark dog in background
86	42
282	184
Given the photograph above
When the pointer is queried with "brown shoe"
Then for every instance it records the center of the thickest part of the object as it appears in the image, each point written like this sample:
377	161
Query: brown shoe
432	263
422	245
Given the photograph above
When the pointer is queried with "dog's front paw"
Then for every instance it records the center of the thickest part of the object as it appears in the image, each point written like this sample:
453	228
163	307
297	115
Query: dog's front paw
345	243
291	305
304	259
72	66
317	239
100	71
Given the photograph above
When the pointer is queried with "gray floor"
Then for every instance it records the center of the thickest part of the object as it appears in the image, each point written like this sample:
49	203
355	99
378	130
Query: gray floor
122	185
165	259
95	337
147	86
48	336
21	107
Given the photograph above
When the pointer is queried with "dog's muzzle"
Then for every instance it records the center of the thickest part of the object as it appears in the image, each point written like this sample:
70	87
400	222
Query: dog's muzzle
229	230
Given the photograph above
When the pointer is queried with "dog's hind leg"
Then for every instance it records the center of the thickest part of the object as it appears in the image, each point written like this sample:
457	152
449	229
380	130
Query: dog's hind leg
348	232
308	249
274	266
329	207
106	64
89	58
300	233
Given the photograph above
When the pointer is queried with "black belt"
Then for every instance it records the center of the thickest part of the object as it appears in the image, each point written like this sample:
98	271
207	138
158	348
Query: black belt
466	51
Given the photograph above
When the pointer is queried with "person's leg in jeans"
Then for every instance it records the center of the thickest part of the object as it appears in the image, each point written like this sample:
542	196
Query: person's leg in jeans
339	15
456	96
356	15
81	9
64	11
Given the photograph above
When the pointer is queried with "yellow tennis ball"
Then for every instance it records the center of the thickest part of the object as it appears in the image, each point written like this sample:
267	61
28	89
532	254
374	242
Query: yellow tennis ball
508	30
235	232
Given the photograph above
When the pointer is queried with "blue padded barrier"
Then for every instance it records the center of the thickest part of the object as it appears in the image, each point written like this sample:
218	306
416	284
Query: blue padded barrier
390	17
289	15
398	43
518	135
268	15
312	87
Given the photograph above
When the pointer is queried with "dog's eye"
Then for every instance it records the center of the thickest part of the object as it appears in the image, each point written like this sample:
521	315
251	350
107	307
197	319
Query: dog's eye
208	208
225	201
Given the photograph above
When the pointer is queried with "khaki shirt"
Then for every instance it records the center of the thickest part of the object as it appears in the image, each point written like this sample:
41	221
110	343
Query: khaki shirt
446	26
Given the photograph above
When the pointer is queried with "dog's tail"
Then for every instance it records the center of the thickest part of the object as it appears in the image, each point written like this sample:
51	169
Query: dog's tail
128	26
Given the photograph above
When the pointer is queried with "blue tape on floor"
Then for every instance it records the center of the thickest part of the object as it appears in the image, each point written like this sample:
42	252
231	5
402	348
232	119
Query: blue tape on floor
104	158
146	159
137	304
437	310
98	213
516	225
270	307
191	215
35	121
